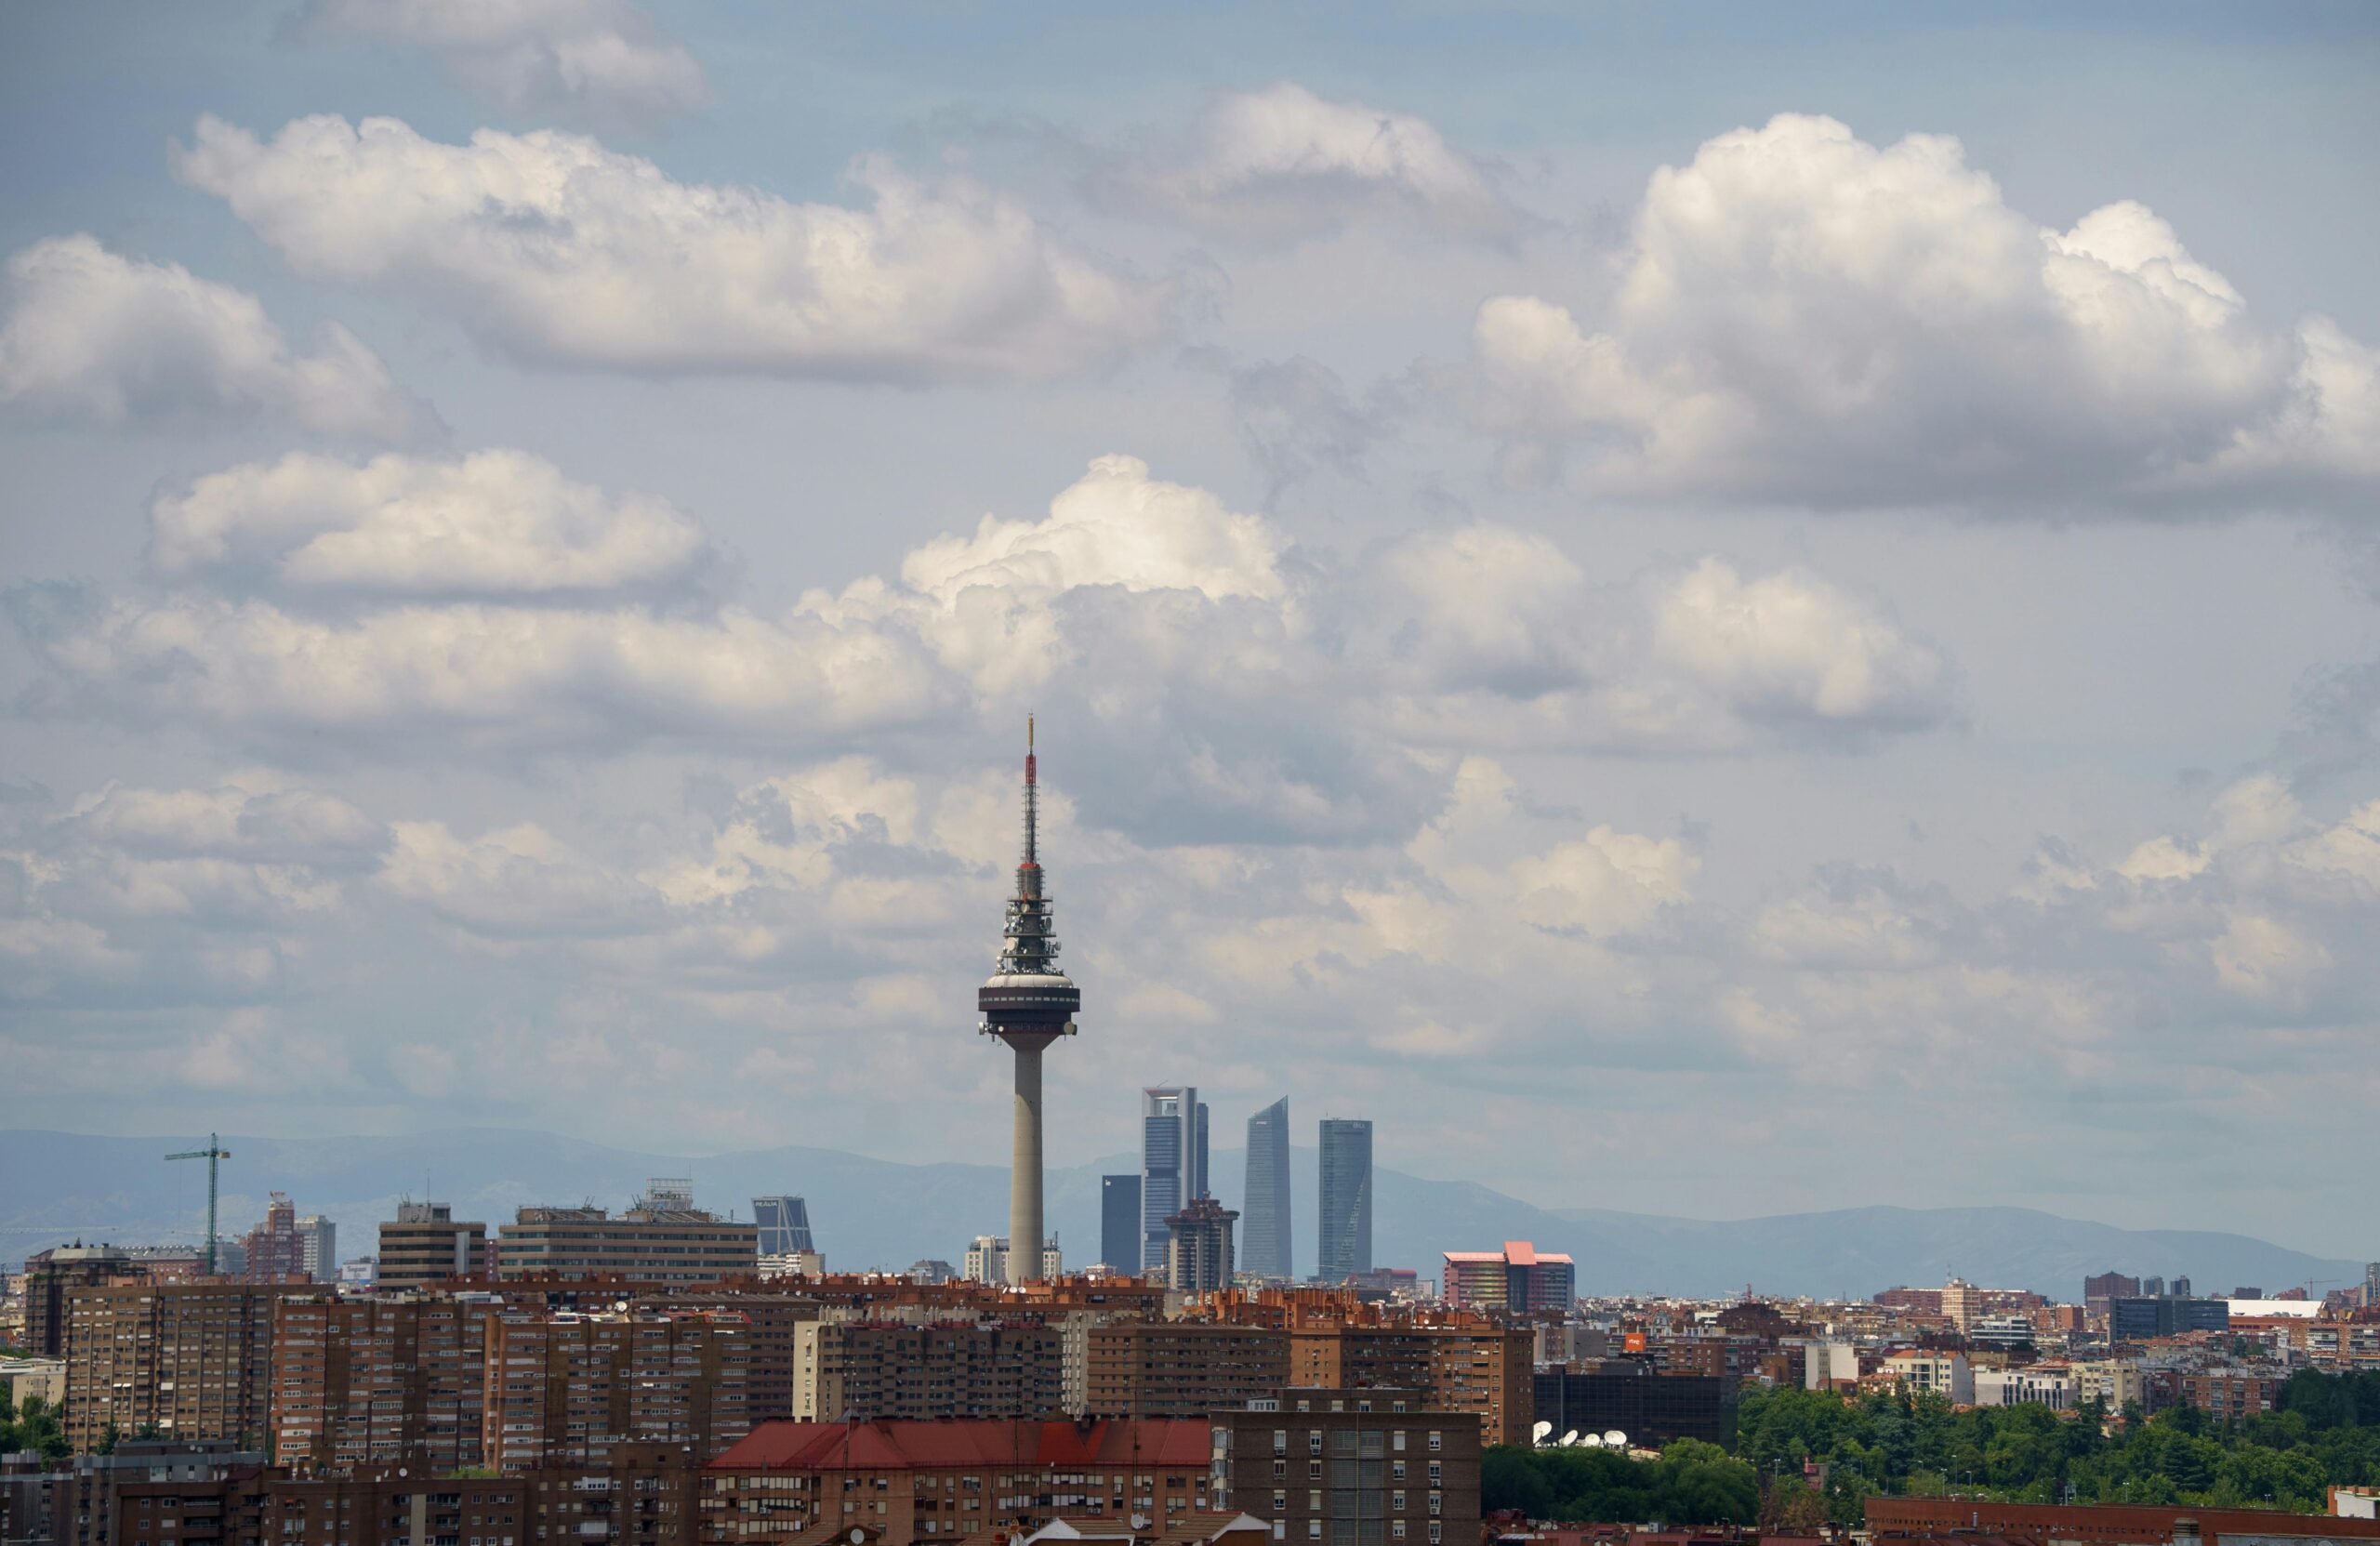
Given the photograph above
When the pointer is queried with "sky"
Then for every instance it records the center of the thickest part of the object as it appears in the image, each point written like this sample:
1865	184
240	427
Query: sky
1713	610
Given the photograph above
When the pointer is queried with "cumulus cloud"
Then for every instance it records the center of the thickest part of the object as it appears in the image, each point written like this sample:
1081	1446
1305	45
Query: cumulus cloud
514	882
532	56
1802	315
494	522
1495	633
555	249
96	336
491	596
1282	164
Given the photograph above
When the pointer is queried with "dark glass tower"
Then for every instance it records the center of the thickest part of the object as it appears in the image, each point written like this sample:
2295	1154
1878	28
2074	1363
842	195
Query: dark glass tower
1028	1003
1346	1227
1120	1222
1265	1240
785	1225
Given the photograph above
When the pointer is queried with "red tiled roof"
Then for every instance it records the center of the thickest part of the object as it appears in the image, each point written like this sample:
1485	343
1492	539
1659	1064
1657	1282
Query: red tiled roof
918	1446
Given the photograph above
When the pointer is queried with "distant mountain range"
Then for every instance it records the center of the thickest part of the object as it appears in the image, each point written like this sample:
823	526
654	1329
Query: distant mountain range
873	1212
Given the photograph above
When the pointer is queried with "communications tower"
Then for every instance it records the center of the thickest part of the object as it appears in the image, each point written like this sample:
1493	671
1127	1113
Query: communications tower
1028	1002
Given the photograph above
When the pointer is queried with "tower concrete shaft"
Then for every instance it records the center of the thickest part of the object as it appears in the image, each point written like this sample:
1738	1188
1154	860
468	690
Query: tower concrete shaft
1025	1165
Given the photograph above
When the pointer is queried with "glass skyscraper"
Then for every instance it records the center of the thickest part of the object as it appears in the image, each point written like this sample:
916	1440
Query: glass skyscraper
1173	1162
1346	1222
1120	1222
1264	1235
784	1224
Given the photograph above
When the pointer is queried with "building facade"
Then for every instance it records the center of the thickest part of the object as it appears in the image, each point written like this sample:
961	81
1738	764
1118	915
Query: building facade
1180	1368
570	1389
1198	1246
426	1244
1362	1467
366	1381
896	1371
663	1239
784	1223
1343	1221
1265	1243
193	1361
1650	1408
986	1260
1520	1278
1120	1222
899	1483
50	1276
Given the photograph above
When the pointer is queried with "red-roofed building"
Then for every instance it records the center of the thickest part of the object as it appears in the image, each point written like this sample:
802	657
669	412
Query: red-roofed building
944	1480
1520	1278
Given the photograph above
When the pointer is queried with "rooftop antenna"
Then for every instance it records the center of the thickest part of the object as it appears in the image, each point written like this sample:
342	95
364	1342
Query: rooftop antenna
213	1153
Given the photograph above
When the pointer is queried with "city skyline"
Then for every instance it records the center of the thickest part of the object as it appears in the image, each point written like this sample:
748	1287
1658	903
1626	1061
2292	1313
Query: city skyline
1668	581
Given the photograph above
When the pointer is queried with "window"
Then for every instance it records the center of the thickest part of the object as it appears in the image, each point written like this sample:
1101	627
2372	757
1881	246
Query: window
1437	1532
1314	1502
1396	1530
1280	1502
1396	1502
1396	1441
1314	1441
1314	1529
1437	1440
1435	1500
1314	1470
1280	1441
1280	1470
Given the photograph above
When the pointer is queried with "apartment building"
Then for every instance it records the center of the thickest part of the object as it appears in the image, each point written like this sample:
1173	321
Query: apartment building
906	1481
1945	1374
1180	1368
358	1382
2231	1392
191	1360
1352	1468
570	1389
1477	1367
2051	1387
889	1370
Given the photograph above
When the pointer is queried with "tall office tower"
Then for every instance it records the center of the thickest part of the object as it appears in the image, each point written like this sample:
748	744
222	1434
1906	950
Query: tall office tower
1170	1156
1120	1222
785	1225
1346	1220
1028	1002
1264	1243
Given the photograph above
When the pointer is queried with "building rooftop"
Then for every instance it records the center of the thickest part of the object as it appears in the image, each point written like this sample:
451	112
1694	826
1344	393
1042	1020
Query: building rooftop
916	1446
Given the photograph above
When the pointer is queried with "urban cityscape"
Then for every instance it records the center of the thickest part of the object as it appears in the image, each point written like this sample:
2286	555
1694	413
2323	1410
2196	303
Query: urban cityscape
1736	742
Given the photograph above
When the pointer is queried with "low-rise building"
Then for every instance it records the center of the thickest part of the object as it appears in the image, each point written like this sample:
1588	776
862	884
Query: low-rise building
906	1481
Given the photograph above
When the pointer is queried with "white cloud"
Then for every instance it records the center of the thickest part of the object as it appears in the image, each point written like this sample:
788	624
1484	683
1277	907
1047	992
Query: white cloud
1607	882
93	335
1790	643
532	56
557	249
506	673
515	881
1282	162
258	818
1802	315
494	522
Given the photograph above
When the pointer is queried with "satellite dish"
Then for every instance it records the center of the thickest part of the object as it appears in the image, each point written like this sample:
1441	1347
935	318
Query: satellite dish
1536	1434
1616	1438
858	1535
1590	1441
1571	1438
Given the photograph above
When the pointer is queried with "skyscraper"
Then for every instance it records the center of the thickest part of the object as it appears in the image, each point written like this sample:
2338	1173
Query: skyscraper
1173	1162
1028	1002
1264	1245
785	1225
1346	1225
1120	1222
1199	1255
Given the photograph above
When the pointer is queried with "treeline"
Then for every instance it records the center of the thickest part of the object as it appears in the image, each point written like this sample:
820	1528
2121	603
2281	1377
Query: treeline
2325	1434
1693	1482
31	1425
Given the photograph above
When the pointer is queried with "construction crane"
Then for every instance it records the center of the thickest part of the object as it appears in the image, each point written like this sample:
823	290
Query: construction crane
214	1153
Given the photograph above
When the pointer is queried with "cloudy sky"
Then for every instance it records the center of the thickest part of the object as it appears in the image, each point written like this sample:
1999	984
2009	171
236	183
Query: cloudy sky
1707	612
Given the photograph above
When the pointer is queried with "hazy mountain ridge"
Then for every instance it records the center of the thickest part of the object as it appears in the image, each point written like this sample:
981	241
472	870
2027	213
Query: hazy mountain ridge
872	1212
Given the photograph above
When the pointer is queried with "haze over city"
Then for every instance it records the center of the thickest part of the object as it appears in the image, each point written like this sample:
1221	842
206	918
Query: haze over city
1706	612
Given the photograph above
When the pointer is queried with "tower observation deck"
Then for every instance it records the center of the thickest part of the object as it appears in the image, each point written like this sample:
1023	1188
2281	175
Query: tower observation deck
1027	1002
